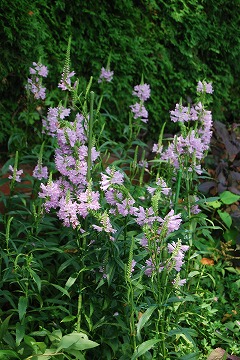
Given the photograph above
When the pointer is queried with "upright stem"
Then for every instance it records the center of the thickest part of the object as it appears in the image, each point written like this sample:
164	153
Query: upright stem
90	136
84	242
8	233
179	178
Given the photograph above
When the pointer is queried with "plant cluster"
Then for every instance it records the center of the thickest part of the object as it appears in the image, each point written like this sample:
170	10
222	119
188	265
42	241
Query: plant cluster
98	263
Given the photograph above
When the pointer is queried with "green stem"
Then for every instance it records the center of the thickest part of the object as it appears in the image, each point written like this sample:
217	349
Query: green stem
90	136
8	233
132	313
84	243
81	285
80	299
179	178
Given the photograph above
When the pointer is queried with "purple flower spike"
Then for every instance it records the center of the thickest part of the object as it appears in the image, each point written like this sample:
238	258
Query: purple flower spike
16	175
142	91
139	111
40	172
204	87
106	75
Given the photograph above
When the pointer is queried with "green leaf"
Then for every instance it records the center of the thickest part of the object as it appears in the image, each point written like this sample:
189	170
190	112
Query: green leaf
36	279
144	319
48	354
231	235
56	335
186	333
62	290
22	307
144	347
20	333
215	204
174	299
8	354
211	199
232	270
71	281
78	355
4	326
226	218
68	318
193	273
9	340
227	197
30	341
76	341
67	263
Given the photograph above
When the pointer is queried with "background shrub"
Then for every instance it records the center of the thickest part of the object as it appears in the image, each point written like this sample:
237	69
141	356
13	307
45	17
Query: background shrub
173	44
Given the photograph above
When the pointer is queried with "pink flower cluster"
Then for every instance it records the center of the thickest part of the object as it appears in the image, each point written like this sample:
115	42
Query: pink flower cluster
187	151
106	75
37	72
121	201
71	194
15	174
40	172
175	262
204	87
177	250
142	91
65	82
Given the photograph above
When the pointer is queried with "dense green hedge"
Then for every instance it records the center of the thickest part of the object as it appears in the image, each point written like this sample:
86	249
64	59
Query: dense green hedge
172	43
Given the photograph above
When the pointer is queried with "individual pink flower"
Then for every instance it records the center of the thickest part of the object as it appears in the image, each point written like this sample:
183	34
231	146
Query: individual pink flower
133	265
113	177
179	282
157	149
65	82
164	189
171	222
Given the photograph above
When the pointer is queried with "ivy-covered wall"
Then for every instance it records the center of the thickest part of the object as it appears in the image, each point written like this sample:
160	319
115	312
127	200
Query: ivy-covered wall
173	44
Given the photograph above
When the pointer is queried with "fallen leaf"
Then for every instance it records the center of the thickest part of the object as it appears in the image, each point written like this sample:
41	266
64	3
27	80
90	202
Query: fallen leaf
207	261
217	354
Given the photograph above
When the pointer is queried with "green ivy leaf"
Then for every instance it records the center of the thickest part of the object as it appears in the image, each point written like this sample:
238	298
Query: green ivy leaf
227	197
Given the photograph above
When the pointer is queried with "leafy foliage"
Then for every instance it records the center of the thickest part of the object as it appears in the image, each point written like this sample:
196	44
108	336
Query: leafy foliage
172	44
